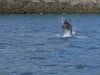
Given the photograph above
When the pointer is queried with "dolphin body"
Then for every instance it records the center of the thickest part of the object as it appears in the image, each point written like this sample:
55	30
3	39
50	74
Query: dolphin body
67	27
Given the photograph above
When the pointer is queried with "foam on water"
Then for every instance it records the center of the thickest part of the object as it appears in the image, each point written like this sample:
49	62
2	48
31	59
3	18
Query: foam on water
65	35
68	35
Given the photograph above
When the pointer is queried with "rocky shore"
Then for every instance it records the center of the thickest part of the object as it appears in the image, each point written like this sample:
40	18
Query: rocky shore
49	6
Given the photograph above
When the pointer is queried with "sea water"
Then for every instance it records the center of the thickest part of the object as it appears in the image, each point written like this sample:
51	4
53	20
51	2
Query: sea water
34	45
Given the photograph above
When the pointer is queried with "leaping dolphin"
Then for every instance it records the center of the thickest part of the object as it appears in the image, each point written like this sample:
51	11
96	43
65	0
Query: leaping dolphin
67	27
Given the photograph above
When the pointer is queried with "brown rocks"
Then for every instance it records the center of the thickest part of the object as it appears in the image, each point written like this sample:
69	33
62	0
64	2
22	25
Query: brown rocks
49	6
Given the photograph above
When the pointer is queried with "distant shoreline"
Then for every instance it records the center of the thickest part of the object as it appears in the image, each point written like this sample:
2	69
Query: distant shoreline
50	11
56	7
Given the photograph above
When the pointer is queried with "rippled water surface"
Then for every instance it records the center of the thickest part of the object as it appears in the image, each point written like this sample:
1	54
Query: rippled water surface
33	45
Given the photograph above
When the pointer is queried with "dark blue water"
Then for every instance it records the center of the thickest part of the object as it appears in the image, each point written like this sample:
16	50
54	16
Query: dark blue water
33	45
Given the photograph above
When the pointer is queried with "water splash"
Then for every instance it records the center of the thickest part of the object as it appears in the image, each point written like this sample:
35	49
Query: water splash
68	34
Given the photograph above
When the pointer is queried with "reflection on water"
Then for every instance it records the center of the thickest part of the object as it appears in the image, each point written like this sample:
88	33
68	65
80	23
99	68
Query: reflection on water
33	45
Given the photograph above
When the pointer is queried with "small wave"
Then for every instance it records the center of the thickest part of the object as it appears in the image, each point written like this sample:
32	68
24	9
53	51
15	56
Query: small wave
58	35
81	37
81	66
39	44
26	73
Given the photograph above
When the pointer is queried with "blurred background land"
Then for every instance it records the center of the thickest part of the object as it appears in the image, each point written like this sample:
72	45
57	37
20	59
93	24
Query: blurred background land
49	6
